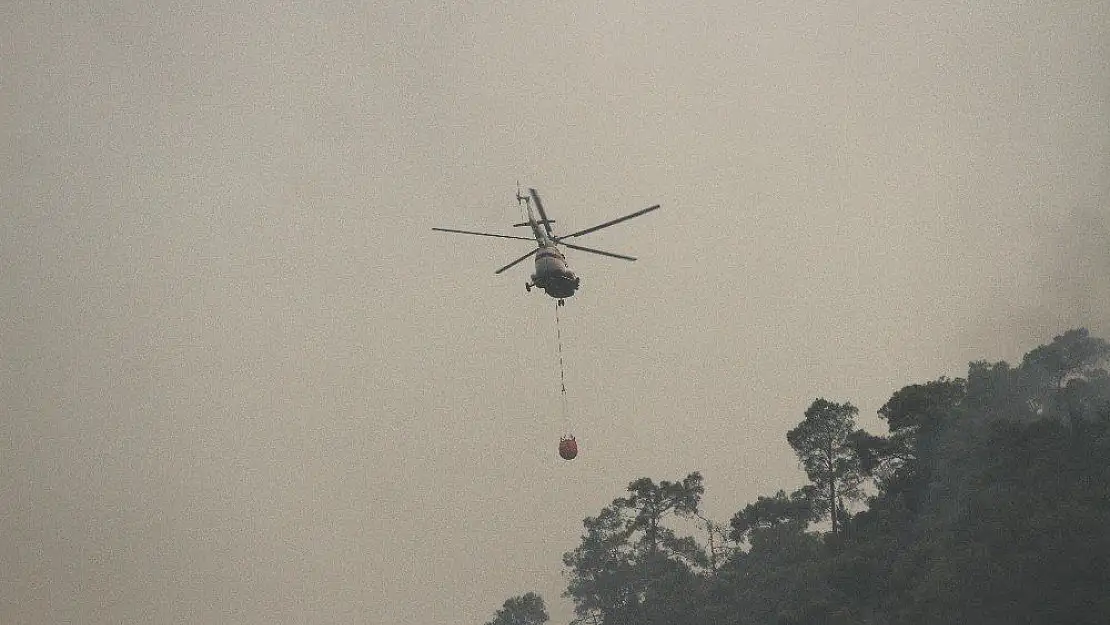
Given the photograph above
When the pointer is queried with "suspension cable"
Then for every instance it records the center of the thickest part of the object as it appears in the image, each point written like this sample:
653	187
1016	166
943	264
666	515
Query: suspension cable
562	368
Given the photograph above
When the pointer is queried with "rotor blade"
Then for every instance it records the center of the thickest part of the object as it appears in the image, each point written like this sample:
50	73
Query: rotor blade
539	207
593	251
517	260
608	223
484	234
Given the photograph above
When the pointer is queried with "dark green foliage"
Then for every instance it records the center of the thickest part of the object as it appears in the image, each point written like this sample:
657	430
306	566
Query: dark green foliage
1027	542
778	580
902	463
801	507
1075	353
997	504
992	507
823	444
527	609
923	407
651	503
1033	390
630	567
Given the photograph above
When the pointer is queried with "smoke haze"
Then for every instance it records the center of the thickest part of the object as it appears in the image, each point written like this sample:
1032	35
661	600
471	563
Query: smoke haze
245	383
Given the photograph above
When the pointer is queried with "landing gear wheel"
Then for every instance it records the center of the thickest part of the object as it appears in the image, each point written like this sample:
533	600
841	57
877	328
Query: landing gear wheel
562	303
527	287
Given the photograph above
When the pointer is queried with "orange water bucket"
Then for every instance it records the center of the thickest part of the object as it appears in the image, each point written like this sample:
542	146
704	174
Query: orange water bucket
568	448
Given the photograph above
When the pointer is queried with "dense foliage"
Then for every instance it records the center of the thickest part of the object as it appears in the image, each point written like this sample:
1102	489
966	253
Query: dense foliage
989	503
527	609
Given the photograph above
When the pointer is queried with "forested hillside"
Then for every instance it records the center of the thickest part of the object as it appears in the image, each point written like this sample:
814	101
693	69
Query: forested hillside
987	501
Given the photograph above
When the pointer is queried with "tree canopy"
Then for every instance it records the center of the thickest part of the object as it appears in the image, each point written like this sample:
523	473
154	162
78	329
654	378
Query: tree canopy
527	609
630	564
822	443
989	502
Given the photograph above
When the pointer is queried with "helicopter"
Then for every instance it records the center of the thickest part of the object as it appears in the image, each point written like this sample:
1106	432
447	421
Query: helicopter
552	275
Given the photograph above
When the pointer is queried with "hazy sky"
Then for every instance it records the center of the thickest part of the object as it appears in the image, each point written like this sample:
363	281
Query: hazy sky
244	382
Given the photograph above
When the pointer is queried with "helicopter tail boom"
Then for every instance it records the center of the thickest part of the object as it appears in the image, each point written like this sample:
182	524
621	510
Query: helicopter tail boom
539	221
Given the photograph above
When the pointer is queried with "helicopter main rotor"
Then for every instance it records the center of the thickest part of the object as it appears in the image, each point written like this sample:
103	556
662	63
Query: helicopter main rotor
606	224
551	238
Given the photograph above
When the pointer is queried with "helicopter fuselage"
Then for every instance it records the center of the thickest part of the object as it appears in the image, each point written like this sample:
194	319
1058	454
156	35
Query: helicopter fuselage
552	273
